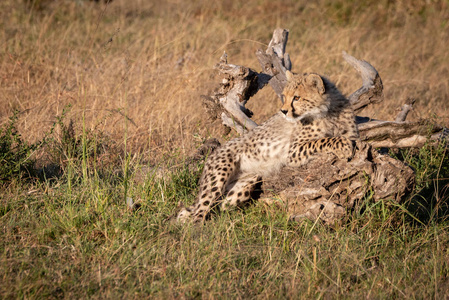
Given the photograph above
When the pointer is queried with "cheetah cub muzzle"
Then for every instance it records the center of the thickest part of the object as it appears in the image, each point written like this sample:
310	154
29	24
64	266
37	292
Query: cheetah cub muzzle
315	118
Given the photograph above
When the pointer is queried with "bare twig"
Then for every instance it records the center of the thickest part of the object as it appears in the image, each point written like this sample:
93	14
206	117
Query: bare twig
405	109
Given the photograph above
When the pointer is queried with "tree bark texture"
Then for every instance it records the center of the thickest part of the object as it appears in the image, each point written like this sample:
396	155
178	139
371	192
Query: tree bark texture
327	188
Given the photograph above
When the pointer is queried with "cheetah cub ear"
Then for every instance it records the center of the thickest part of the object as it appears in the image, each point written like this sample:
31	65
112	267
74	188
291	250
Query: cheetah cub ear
315	82
289	75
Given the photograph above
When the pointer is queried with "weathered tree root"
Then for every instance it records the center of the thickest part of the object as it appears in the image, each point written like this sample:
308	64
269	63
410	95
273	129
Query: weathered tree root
326	188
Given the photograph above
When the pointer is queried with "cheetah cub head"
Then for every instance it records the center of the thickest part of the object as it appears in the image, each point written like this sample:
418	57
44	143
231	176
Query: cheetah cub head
306	97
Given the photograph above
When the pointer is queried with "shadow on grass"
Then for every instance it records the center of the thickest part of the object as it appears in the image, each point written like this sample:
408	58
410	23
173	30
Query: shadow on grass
429	201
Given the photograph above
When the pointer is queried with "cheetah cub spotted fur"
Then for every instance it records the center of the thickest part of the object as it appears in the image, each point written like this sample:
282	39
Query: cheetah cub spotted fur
315	118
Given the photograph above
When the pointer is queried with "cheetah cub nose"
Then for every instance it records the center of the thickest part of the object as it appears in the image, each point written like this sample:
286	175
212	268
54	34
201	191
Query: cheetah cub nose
284	111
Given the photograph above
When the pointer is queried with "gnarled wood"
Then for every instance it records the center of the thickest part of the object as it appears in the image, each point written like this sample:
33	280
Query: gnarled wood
275	61
327	188
228	101
372	88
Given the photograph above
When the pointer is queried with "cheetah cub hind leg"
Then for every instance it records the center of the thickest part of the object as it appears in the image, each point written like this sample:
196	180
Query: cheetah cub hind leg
183	215
240	191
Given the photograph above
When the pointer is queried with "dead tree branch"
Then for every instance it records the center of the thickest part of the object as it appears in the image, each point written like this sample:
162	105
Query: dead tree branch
228	101
275	61
391	134
405	109
372	89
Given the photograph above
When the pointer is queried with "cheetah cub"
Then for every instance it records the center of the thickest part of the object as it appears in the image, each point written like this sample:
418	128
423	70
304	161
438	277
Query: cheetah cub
315	118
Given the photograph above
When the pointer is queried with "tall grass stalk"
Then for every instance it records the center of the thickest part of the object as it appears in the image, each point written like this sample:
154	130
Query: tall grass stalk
84	139
127	156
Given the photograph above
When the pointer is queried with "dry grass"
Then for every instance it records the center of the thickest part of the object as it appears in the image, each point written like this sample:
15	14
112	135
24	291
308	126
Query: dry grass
153	61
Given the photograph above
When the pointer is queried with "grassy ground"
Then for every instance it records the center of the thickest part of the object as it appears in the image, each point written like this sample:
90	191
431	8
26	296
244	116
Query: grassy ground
108	101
